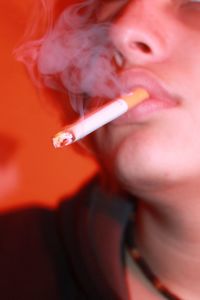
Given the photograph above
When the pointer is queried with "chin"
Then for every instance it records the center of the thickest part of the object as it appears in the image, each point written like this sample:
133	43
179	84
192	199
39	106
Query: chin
150	158
144	168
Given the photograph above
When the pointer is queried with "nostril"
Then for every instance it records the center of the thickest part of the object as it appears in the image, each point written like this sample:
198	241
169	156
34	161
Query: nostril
142	46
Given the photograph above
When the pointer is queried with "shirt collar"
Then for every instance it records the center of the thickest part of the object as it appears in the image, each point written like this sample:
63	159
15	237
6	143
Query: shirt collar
107	221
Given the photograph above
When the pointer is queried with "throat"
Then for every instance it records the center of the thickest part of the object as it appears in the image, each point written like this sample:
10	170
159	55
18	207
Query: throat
172	263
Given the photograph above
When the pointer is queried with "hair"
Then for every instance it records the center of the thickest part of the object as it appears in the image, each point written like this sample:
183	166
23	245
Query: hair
66	49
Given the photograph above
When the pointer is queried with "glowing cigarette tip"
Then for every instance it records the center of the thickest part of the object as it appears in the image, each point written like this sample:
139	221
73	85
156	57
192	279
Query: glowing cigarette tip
63	138
99	118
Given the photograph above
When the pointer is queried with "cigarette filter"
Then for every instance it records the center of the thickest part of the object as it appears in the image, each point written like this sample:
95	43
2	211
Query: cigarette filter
99	118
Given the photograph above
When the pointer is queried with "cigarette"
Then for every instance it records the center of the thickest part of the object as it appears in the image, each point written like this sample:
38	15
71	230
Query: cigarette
99	118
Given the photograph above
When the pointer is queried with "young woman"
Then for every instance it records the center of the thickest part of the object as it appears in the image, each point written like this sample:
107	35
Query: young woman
135	233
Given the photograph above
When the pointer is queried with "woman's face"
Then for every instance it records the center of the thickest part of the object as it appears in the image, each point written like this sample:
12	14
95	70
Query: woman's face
158	143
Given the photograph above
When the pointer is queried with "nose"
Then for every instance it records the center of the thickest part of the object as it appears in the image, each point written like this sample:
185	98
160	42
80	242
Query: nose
141	32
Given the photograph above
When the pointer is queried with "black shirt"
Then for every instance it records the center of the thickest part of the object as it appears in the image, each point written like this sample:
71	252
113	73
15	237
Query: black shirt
73	252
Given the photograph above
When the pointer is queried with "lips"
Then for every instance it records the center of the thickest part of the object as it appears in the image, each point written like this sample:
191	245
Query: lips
160	97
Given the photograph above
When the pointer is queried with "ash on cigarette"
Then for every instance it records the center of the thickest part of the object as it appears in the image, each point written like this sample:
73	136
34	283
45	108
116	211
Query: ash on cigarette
75	56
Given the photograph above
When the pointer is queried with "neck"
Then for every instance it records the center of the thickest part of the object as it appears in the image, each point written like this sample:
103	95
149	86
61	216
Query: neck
169	240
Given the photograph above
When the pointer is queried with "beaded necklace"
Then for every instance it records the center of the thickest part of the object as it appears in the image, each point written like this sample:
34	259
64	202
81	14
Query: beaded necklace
153	279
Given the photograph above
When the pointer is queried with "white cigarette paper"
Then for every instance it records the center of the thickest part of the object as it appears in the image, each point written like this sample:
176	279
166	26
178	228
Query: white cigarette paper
99	118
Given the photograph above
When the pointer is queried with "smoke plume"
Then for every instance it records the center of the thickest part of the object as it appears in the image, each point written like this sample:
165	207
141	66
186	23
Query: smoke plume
76	56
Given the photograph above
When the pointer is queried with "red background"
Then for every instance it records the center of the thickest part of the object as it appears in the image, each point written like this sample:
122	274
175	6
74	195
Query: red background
31	170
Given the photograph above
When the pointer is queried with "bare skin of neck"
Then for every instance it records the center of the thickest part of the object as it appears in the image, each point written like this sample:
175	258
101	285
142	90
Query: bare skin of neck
168	237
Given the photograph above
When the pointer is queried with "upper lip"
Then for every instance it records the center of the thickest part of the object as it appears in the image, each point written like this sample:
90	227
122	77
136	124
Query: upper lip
131	79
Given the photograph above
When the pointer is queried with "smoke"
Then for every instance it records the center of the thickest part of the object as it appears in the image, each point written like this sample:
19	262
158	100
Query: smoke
76	56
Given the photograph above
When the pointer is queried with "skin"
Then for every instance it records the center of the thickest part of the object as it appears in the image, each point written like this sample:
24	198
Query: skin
158	159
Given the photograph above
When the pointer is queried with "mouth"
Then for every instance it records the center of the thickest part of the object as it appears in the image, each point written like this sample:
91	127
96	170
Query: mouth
160	97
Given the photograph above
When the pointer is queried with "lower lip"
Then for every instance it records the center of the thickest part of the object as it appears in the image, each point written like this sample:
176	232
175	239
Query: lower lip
144	111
